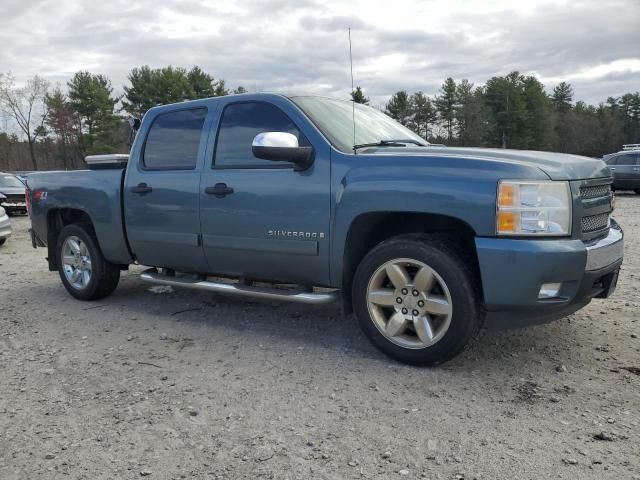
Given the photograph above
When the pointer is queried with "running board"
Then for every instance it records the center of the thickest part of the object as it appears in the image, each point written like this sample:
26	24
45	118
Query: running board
315	298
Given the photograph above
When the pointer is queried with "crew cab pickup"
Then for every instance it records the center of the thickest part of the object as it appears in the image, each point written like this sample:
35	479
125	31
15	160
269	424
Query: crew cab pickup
312	199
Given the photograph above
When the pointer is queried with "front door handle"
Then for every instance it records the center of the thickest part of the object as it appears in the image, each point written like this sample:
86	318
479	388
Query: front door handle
612	168
219	190
141	188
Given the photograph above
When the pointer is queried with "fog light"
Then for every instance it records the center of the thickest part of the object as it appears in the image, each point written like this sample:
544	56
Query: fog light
549	290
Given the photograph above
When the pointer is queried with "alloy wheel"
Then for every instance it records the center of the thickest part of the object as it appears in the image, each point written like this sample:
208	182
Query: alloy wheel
76	262
409	303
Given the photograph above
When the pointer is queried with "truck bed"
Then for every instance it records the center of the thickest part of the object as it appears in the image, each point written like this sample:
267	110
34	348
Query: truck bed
98	193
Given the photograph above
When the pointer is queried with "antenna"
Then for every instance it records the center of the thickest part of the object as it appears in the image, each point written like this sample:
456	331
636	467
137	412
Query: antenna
353	102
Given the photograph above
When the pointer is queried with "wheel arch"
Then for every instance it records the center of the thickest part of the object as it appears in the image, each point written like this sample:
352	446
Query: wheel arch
368	230
57	219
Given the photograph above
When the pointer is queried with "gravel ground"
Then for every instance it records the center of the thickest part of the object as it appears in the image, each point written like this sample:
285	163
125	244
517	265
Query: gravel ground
186	384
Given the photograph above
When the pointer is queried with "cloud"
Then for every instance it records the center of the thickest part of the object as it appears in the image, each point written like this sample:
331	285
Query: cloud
275	45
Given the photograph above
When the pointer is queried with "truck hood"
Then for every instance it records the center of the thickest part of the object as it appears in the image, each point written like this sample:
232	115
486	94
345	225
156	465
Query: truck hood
557	166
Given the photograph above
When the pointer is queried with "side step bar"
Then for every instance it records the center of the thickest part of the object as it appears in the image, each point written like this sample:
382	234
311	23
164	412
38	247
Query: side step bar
316	298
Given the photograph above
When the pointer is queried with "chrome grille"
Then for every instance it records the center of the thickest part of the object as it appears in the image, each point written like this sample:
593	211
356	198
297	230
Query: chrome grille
593	223
596	198
594	191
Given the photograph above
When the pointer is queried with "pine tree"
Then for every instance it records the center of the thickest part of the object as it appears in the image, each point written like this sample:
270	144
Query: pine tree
91	96
399	107
358	96
446	106
470	114
562	96
504	97
537	124
64	122
561	101
423	114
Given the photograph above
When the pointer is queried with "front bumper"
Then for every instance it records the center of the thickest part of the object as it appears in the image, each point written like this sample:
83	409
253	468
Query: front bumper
513	270
5	227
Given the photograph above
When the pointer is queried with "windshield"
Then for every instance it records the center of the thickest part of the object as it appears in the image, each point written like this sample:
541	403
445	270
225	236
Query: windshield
335	119
10	181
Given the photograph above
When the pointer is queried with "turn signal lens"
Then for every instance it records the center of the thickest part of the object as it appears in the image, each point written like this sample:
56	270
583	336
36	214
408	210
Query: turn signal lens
506	195
507	222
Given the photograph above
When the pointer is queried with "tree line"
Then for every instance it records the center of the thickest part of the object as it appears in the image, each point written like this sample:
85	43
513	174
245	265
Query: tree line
54	127
514	111
49	127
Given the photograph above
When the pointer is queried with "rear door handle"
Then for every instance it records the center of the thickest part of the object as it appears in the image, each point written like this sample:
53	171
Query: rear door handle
219	190
141	188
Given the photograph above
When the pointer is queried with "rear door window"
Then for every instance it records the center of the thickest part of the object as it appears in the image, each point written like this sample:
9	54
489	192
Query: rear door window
626	159
174	140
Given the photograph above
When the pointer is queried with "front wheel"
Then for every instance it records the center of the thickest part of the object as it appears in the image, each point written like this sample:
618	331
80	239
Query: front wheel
416	299
83	270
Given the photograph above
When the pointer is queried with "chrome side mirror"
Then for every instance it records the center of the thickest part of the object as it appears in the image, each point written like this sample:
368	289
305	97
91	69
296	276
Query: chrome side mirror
282	147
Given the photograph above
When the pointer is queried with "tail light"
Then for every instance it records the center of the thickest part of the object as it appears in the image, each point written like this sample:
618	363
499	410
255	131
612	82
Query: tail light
38	195
27	200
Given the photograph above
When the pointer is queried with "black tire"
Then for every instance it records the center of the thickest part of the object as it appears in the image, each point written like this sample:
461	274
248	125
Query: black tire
453	266
637	190
104	275
2	241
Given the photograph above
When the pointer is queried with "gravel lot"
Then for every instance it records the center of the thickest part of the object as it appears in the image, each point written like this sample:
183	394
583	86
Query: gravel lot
192	385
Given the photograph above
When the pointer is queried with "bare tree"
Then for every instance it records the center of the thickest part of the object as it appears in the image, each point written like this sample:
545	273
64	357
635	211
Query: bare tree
27	106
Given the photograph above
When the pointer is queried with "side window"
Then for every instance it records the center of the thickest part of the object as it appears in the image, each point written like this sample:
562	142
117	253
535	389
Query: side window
637	162
239	125
626	159
174	139
613	160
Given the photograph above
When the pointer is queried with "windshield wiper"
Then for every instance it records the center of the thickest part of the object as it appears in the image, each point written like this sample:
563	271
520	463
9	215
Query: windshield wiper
400	142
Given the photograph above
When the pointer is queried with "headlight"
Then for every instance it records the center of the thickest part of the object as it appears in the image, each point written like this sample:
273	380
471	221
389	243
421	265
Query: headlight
533	208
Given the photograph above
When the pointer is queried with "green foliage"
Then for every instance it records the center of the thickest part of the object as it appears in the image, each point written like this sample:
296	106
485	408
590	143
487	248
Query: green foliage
358	96
537	122
446	105
64	122
150	87
470	114
506	103
562	96
399	107
91	97
202	84
423	114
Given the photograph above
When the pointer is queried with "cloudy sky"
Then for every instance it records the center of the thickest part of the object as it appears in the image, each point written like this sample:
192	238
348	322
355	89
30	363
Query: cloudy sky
301	45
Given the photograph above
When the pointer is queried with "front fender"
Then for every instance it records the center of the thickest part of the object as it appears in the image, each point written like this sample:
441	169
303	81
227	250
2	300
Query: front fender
461	188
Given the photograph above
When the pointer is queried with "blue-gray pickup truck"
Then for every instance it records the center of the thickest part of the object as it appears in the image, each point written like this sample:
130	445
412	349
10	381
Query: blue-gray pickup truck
312	199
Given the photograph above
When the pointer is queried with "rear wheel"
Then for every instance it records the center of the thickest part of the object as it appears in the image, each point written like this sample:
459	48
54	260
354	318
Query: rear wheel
2	241
415	299
83	270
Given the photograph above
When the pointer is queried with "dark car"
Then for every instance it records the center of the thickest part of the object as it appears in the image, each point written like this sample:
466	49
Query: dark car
13	189
625	166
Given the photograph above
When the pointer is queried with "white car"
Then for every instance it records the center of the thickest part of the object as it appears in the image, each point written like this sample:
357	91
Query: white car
5	226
